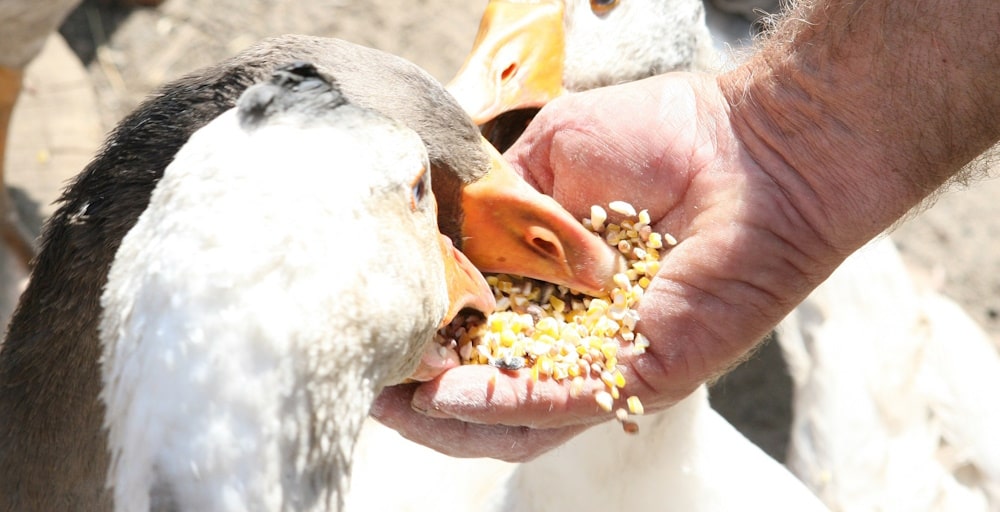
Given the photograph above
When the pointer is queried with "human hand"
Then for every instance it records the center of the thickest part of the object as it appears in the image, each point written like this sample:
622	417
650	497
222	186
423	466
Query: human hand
747	255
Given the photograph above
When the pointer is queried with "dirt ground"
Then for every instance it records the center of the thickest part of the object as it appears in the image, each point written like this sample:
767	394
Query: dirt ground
115	56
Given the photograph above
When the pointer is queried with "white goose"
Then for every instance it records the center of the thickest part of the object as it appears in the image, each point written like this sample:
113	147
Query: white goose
287	268
526	54
917	438
894	384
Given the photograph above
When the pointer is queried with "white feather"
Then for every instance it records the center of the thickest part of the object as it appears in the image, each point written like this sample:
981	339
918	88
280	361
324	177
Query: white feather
275	283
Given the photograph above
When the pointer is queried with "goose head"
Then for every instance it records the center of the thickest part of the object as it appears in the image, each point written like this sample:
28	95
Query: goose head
53	449
287	268
492	215
527	53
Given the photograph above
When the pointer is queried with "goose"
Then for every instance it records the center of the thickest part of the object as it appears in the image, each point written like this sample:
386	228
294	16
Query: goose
52	447
893	405
685	458
526	54
921	447
287	268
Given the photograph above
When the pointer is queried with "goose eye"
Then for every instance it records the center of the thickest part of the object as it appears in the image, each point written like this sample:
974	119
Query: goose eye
601	7
418	189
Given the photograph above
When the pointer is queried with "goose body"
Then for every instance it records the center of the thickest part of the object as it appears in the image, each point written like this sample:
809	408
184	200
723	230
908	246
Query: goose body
285	270
53	450
686	458
893	406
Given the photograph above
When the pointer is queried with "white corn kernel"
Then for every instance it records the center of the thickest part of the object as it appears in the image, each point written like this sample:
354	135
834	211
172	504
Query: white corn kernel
634	405
604	400
557	333
597	218
622	207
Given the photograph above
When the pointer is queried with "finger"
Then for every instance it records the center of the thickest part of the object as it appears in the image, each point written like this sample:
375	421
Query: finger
460	439
486	395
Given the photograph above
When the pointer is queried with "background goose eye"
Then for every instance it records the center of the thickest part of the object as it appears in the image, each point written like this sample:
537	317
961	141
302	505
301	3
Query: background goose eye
603	6
418	191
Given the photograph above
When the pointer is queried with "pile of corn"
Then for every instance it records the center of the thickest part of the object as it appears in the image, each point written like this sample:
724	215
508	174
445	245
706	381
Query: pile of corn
561	334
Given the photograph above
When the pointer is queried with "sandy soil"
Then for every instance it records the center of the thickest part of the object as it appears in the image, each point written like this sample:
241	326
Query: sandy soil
118	55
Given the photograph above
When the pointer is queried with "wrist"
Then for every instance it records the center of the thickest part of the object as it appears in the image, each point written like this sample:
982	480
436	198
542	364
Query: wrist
859	113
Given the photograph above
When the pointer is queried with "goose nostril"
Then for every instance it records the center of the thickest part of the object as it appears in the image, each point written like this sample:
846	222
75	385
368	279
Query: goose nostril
547	247
509	72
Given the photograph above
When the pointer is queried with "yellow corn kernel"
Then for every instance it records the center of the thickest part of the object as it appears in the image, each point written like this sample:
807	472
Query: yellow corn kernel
576	386
641	343
558	305
634	405
561	334
608	378
655	241
644	216
618	379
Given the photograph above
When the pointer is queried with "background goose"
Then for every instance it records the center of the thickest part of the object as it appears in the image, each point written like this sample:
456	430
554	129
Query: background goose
52	450
859	350
686	458
286	269
527	54
893	405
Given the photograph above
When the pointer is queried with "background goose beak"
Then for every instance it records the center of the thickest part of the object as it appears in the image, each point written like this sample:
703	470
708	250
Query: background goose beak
516	61
467	287
512	228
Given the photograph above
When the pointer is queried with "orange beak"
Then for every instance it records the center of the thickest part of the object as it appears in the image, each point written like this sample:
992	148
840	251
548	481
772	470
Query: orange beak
512	228
467	287
516	61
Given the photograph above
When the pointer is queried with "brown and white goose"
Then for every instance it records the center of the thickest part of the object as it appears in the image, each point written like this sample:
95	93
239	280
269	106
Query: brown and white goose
53	451
287	268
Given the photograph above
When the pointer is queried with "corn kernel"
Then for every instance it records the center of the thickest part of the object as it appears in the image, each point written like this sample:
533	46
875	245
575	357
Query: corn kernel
634	405
655	241
621	414
560	334
618	379
597	218
622	207
605	400
644	216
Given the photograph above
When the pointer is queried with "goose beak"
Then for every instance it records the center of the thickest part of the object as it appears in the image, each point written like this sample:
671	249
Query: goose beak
516	61
512	228
467	287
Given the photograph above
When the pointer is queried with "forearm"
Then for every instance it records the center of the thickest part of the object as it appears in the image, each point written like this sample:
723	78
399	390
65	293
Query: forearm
867	107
